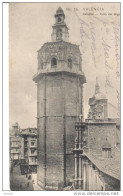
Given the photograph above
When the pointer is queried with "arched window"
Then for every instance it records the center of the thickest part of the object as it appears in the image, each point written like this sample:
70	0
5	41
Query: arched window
69	63
53	62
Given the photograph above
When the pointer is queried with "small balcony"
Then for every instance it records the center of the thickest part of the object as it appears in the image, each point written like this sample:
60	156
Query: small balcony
33	154
15	152
35	146
25	155
33	163
26	147
15	146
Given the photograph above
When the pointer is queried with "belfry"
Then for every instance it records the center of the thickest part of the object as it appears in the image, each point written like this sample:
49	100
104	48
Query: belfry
60	29
59	82
98	105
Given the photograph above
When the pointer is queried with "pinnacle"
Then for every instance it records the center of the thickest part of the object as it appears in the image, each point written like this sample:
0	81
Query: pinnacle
59	10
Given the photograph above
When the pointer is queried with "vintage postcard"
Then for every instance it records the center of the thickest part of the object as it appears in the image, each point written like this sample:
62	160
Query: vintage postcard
64	96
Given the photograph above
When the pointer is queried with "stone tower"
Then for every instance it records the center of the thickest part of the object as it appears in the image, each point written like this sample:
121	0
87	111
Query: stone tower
98	105
59	82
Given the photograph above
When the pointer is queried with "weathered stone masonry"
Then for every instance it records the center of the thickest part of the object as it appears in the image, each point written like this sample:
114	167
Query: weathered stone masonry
59	81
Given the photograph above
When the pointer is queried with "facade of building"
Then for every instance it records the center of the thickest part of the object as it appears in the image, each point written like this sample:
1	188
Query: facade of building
97	148
59	103
15	148
15	143
29	158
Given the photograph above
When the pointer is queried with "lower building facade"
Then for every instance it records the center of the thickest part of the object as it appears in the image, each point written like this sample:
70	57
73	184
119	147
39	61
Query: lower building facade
15	148
97	157
29	159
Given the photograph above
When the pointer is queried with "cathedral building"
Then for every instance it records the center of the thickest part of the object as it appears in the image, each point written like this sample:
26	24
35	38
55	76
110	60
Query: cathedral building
59	80
97	149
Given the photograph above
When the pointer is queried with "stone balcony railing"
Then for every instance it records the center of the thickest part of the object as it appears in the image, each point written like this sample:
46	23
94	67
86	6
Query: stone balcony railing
15	146
35	154
15	152
32	146
33	163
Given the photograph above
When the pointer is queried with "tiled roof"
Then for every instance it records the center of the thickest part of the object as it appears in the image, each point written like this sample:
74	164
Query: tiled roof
109	166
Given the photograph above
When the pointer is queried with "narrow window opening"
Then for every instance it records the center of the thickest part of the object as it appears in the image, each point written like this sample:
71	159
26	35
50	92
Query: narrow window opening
69	63
53	62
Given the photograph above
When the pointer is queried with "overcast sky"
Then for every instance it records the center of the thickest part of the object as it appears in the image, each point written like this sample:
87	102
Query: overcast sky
30	26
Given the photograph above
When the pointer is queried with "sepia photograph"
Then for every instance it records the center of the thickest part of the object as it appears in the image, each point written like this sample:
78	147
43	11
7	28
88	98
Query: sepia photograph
64	97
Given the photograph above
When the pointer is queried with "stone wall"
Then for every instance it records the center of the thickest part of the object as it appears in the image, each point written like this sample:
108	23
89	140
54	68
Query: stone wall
62	51
59	105
111	184
98	132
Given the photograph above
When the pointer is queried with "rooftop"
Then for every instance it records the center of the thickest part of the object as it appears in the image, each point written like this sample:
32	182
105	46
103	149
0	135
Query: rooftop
29	131
59	12
98	95
15	124
109	166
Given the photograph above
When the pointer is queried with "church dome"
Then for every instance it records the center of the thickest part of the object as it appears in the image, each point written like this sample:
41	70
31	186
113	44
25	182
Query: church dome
100	96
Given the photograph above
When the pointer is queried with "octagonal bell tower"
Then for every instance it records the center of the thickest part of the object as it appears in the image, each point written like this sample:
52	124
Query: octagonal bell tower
59	82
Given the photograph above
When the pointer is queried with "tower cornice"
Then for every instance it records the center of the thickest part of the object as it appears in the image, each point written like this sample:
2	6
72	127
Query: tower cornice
41	73
60	25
